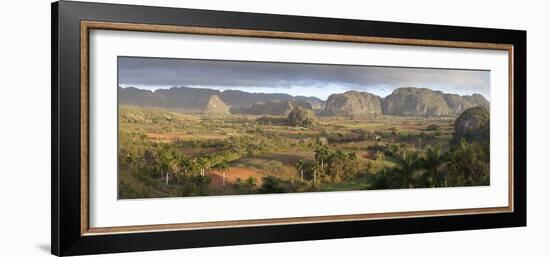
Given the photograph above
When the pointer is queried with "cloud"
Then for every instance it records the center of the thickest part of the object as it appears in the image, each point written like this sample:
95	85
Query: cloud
278	77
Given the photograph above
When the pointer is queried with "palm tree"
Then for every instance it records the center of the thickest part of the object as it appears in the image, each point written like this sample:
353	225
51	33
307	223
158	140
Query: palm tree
471	161
407	164
223	167
194	167
168	162
337	162
185	165
379	157
432	159
300	165
316	168
321	155
203	165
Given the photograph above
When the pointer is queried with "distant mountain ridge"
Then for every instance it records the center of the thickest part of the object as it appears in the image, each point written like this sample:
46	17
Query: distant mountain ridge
280	108
188	98
411	101
406	101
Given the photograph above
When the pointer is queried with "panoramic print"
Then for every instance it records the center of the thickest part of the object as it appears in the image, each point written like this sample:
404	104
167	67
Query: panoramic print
190	127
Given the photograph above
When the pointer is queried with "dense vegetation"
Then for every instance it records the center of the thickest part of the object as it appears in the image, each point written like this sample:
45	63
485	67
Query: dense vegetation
164	153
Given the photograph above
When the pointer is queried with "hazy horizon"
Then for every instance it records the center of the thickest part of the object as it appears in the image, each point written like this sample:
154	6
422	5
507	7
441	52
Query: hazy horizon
296	79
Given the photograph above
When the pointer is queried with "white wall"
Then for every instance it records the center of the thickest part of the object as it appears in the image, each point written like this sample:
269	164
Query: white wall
25	127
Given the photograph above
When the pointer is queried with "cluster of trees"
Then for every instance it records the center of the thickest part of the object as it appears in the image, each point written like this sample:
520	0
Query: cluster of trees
245	186
176	166
329	165
161	165
465	164
356	135
166	168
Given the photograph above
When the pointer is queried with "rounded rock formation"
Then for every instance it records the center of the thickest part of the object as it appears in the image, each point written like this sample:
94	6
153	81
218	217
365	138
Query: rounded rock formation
472	125
409	101
215	105
353	103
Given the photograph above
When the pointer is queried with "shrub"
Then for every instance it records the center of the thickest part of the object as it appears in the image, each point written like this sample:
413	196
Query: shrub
272	184
433	127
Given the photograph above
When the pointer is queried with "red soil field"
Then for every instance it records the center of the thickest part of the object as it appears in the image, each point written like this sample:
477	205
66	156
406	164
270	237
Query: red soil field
232	174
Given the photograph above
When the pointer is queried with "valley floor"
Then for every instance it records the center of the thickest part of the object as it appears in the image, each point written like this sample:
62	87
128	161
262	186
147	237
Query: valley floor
164	153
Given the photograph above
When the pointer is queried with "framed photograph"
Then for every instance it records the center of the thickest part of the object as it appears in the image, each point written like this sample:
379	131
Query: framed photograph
178	128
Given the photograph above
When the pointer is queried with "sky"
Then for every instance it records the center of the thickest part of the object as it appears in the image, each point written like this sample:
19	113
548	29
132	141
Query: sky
319	80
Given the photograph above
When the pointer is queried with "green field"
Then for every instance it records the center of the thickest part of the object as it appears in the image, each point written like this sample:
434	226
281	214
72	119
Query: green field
165	153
